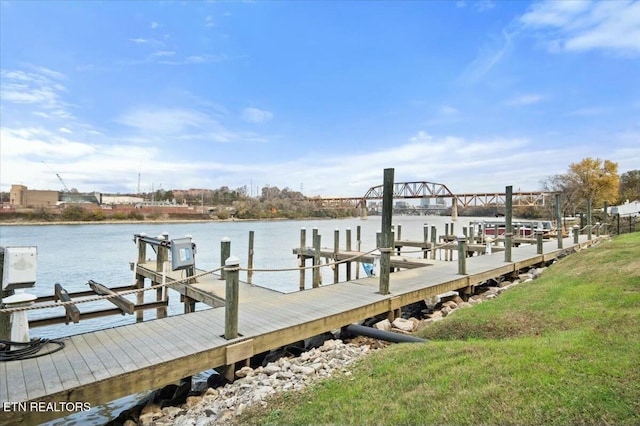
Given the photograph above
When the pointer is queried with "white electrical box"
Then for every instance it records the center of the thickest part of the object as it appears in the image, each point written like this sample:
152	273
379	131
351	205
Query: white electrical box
182	253
19	267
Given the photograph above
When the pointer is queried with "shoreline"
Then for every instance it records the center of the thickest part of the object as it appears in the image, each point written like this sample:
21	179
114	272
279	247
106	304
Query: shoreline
159	221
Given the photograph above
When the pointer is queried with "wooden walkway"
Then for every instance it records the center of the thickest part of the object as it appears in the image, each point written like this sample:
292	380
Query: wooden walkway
104	365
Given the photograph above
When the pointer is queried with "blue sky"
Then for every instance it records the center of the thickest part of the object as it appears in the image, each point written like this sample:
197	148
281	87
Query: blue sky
319	96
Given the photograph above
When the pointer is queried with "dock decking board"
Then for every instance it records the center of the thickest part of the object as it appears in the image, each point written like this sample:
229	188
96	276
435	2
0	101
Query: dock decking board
107	364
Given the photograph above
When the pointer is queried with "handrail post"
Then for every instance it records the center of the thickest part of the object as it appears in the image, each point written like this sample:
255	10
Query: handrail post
598	229
232	269
225	252
462	255
576	231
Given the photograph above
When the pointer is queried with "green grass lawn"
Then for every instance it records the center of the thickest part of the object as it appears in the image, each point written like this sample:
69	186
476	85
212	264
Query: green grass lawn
563	349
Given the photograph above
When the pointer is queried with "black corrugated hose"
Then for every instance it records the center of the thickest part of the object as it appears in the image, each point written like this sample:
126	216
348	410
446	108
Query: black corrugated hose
27	350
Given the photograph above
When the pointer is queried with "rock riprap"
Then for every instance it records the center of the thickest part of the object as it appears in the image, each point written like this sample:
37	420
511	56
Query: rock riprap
219	406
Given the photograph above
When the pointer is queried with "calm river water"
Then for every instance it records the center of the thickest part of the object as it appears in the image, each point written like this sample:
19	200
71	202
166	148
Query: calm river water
74	254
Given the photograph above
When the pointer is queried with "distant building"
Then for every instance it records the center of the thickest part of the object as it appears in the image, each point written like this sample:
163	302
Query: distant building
21	196
627	209
121	199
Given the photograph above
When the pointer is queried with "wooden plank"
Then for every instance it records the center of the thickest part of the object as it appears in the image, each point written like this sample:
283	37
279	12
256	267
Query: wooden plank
125	305
17	389
80	367
145	345
103	353
98	370
135	359
138	350
68	378
50	376
4	392
32	378
239	351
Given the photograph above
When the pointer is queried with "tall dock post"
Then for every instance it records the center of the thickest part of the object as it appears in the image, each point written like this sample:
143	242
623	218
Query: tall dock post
425	240
434	241
225	252
558	221
231	296
142	256
316	259
250	261
589	232
348	248
302	260
358	247
454	209
576	231
5	318
462	255
508	231
446	241
385	248
604	216
336	249
161	259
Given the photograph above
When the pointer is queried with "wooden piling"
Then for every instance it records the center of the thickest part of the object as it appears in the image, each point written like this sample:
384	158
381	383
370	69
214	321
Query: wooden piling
539	241
225	252
142	257
5	318
231	296
559	221
434	241
462	255
387	212
161	259
336	250
508	230
358	247
348	248
250	258
317	278
425	239
302	260
576	232
589	219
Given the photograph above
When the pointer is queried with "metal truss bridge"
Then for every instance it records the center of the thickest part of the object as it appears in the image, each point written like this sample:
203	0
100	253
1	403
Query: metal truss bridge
416	190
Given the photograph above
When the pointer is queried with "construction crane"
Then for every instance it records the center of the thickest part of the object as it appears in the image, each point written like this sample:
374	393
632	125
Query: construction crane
59	178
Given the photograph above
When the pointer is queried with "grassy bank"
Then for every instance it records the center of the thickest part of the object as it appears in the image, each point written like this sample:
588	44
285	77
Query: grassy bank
563	349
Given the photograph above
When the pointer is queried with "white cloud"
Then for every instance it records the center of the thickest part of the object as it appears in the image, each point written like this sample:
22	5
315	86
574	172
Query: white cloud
255	115
38	89
586	25
65	130
527	99
154	25
488	57
587	112
139	40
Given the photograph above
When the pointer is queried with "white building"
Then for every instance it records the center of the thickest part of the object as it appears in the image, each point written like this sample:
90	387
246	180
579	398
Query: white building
627	209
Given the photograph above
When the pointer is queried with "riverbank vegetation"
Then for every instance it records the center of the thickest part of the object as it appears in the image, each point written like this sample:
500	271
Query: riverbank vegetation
563	349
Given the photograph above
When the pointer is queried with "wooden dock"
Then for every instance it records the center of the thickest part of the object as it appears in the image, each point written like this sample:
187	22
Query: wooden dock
104	365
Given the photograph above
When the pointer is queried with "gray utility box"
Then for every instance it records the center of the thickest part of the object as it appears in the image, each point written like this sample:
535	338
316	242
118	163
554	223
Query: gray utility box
182	253
19	267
